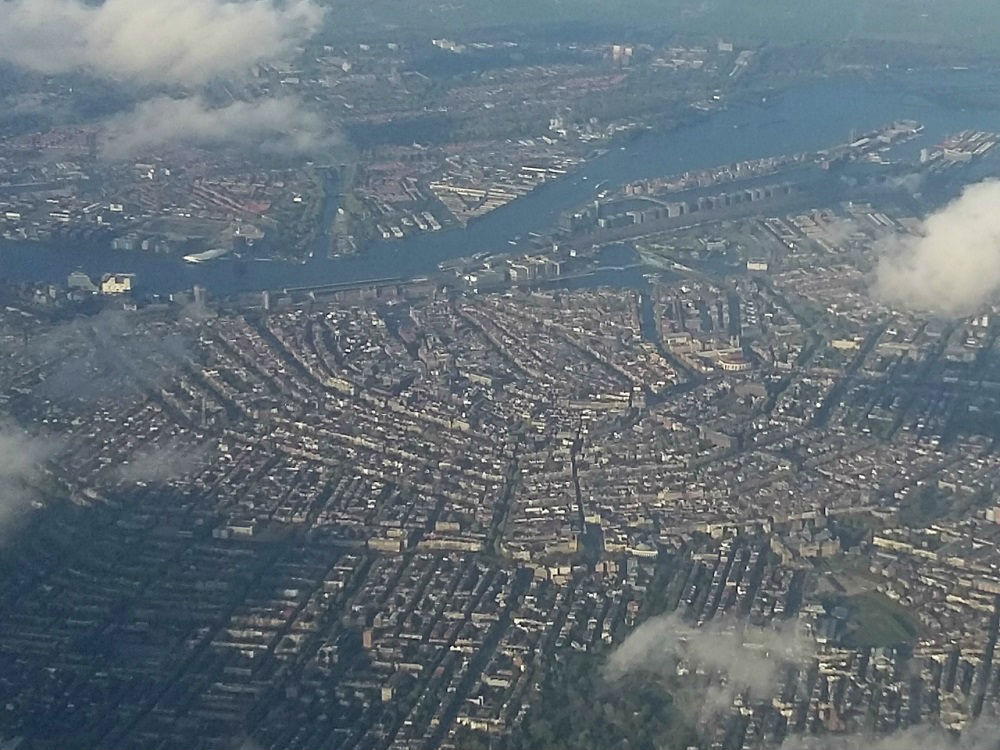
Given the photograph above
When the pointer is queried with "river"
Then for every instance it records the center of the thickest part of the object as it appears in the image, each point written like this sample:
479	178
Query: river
805	117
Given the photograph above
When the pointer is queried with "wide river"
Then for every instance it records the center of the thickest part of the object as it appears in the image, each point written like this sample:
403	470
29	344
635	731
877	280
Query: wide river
806	117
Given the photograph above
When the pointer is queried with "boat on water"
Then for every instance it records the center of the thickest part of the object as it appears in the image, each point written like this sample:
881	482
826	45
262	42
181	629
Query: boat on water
216	252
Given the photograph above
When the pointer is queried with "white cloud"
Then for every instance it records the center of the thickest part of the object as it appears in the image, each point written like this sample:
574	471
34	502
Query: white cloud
280	126
746	658
153	41
743	658
954	267
162	463
106	356
979	736
21	458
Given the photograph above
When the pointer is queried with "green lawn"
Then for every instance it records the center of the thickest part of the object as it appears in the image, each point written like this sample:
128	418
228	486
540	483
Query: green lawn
878	621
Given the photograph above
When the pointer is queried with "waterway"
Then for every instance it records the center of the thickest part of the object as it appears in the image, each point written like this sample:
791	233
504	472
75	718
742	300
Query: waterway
806	117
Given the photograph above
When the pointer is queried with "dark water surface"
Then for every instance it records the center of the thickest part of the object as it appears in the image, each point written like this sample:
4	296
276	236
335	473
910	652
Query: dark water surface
808	117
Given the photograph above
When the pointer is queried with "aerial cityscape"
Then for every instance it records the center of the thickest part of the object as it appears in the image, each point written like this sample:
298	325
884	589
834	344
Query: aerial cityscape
526	375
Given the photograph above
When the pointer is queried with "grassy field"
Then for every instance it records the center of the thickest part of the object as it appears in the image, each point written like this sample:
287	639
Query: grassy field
879	621
973	24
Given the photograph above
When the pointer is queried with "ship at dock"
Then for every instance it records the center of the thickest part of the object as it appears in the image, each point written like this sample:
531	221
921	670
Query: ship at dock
207	255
